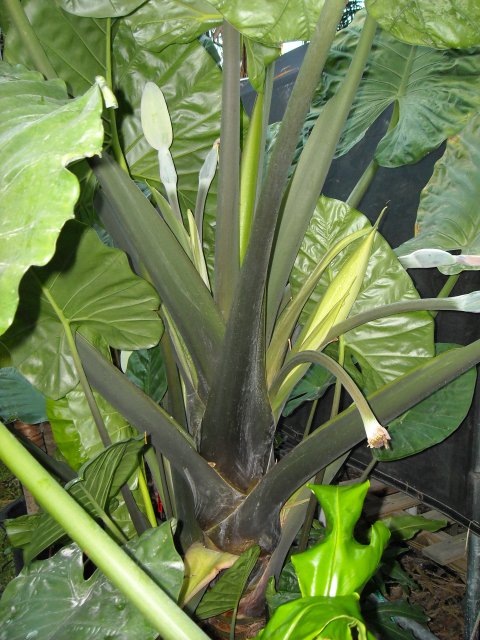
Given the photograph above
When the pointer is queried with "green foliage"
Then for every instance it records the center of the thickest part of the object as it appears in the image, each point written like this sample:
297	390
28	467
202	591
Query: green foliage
70	304
40	133
447	215
19	400
58	584
432	420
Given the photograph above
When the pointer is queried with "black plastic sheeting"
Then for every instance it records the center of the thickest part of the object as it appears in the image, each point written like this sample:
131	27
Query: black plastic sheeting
441	476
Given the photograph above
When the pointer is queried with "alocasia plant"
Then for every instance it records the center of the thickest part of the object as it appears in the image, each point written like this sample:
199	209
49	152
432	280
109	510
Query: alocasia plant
228	295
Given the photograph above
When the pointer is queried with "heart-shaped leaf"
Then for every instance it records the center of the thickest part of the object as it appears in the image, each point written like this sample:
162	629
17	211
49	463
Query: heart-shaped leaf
41	132
100	8
86	287
86	608
418	81
447	215
433	419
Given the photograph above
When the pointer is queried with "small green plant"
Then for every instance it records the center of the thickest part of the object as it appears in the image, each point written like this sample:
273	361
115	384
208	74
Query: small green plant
174	285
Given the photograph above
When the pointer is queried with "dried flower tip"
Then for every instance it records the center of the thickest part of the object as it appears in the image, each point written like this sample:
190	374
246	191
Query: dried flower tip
378	436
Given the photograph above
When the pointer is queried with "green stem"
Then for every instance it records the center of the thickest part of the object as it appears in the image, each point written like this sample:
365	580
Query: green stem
447	288
117	149
165	616
249	173
362	185
227	260
311	171
29	39
367	471
338	385
311	415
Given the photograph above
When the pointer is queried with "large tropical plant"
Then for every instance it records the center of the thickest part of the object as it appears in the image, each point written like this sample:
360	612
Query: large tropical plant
145	291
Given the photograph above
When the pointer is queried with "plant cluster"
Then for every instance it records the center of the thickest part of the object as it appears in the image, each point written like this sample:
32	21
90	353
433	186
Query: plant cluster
183	283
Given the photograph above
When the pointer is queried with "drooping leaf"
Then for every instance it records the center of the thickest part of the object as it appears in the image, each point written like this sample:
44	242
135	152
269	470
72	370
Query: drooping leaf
60	32
385	348
447	216
445	24
258	58
404	527
98	480
160	23
86	608
100	8
146	368
91	288
41	132
339	565
433	419
418	81
226	593
74	429
316	617
19	400
202	565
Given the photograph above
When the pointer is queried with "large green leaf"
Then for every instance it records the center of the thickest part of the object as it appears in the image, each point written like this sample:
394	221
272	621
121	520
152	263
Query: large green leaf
99	480
75	46
40	133
447	216
432	420
91	288
74	428
19	400
418	81
62	604
159	23
444	24
100	8
383	349
270	21
191	83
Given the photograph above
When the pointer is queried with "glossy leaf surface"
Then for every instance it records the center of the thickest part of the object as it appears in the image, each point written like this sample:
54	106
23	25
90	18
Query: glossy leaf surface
383	349
433	419
92	288
59	32
41	132
418	81
62	604
19	400
444	24
406	526
159	23
339	565
447	215
146	369
98	481
317	617
74	429
100	8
